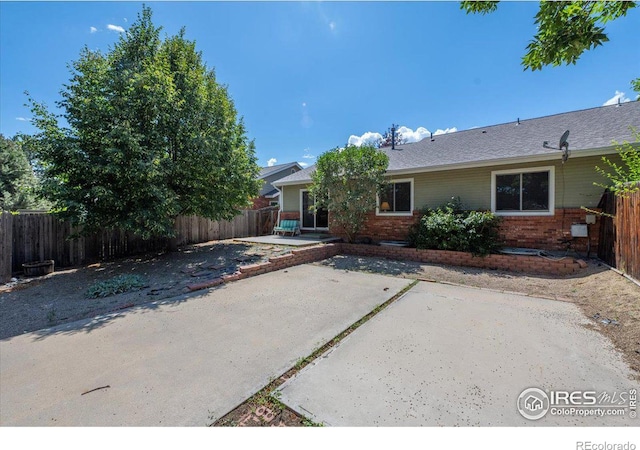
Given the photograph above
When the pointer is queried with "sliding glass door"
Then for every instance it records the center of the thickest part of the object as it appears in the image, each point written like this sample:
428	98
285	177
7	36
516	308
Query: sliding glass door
310	219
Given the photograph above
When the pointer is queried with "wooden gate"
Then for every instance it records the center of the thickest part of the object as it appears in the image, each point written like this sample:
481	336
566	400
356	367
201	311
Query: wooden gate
619	244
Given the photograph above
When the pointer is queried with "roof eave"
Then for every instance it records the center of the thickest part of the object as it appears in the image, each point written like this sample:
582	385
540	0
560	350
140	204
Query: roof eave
504	161
489	162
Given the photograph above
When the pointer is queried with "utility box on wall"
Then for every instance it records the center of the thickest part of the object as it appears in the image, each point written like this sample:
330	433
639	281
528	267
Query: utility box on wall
579	230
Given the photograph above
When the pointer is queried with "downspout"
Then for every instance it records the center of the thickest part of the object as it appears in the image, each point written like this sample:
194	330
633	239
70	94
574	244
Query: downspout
280	203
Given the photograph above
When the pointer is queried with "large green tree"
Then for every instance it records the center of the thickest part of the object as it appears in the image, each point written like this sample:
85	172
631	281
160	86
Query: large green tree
18	184
150	134
345	182
566	29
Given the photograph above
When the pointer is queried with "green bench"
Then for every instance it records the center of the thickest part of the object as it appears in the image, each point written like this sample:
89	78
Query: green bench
288	226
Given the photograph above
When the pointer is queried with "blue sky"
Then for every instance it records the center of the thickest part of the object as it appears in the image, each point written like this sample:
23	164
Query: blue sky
307	77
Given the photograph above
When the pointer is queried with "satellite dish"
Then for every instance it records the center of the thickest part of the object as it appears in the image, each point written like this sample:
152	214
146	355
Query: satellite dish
564	146
563	140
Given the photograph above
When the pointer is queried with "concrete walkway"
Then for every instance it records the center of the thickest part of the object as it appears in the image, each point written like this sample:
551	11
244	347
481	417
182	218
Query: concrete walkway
183	362
455	356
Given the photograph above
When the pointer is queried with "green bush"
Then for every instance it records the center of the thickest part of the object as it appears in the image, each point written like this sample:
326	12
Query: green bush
116	285
450	227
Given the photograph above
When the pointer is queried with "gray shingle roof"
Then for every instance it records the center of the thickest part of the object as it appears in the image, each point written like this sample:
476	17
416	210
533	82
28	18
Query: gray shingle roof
594	128
302	176
266	171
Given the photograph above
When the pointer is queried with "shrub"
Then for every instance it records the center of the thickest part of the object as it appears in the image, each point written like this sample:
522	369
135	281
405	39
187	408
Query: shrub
450	227
116	285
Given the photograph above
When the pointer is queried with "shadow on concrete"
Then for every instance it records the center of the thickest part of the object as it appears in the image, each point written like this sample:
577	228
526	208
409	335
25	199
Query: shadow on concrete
412	268
373	265
97	322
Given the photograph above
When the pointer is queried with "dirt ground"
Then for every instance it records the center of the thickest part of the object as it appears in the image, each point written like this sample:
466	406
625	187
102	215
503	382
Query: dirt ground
35	303
609	300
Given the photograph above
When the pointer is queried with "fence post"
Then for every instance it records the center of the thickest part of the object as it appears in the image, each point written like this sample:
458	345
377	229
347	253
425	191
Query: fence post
6	246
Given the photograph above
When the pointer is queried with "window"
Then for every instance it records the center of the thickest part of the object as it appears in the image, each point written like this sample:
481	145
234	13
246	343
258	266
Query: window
523	192
397	198
273	203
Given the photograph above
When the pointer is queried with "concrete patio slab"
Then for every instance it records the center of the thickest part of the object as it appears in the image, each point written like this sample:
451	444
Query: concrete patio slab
295	241
187	361
453	356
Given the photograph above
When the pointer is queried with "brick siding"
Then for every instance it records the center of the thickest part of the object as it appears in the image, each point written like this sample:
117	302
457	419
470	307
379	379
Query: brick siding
289	215
547	232
261	202
541	232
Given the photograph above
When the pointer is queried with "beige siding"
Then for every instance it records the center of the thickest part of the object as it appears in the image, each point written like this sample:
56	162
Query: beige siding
573	185
473	186
291	197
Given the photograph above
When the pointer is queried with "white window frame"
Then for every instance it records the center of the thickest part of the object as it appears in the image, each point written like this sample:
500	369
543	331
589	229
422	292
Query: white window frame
552	191
402	213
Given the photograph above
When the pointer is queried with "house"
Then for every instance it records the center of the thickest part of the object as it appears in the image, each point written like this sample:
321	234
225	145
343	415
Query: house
269	195
533	403
515	170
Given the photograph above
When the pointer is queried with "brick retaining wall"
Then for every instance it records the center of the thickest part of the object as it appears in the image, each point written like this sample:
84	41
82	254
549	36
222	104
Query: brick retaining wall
514	263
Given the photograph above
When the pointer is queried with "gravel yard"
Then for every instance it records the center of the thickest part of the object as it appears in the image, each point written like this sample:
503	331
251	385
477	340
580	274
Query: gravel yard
36	303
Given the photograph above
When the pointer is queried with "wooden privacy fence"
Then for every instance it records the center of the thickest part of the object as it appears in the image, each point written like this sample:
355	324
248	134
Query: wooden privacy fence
620	235
28	237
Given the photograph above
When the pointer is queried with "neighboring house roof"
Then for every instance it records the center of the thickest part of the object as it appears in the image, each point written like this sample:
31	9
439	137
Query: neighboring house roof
299	177
592	131
270	170
272	194
272	173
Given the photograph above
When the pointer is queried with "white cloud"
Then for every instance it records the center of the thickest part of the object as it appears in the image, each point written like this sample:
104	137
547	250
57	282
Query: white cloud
308	155
413	136
272	162
367	138
23	119
618	97
445	131
304	165
117	28
92	29
408	135
332	26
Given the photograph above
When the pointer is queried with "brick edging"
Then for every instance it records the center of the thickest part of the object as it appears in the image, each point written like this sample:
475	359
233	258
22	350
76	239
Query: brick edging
513	263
